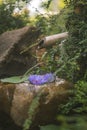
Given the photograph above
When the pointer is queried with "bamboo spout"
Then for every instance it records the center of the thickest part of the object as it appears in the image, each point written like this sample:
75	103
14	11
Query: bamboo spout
51	40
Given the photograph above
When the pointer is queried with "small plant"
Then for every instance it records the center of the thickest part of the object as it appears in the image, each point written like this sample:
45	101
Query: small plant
33	109
77	103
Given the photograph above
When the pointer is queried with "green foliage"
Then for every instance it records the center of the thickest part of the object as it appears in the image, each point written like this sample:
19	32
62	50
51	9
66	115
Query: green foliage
51	24
49	127
77	103
72	53
8	20
75	122
33	109
31	113
46	4
73	65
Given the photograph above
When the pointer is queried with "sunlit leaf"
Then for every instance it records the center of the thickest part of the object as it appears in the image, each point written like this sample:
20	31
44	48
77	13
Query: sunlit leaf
61	4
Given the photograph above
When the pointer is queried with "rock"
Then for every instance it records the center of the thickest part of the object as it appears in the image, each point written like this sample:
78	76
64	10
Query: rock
6	123
12	44
21	102
16	100
6	97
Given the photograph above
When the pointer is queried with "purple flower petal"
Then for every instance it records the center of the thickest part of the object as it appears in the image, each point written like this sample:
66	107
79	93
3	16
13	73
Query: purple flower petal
41	79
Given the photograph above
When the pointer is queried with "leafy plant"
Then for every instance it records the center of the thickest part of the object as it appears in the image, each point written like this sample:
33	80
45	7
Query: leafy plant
51	24
10	20
75	122
31	113
33	109
72	62
77	103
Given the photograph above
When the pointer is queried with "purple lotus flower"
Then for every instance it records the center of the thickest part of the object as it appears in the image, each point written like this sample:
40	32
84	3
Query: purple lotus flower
41	79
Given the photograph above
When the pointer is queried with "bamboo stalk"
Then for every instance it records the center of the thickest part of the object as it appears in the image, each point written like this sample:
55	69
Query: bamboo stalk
51	40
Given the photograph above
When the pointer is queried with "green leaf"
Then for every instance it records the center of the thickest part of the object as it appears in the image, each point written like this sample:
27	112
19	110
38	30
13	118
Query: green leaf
15	79
19	79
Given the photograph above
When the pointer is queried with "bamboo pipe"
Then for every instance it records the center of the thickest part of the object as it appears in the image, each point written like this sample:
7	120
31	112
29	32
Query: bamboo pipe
51	40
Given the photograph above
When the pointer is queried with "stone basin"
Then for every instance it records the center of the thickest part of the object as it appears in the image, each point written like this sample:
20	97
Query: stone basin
16	99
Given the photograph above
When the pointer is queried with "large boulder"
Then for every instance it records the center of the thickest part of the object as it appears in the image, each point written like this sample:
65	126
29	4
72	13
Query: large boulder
13	61
6	97
16	99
